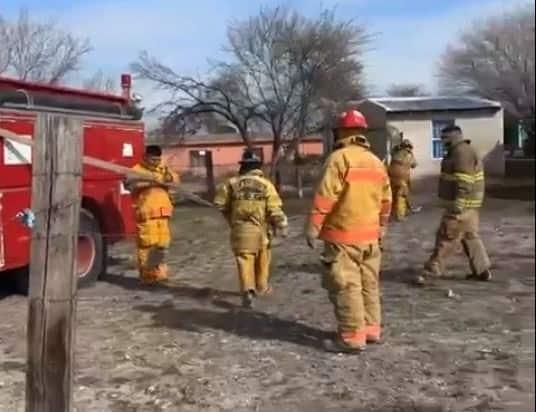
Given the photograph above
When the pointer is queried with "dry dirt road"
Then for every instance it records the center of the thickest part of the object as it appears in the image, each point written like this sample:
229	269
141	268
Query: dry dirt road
187	347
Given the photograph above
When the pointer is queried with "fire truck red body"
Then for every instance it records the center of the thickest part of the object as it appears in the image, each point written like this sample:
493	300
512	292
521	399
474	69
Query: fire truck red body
113	131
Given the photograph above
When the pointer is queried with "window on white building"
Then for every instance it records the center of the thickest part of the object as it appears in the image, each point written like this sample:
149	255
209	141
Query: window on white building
437	144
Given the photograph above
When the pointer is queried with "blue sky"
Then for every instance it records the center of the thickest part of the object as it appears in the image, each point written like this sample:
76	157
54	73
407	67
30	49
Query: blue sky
410	34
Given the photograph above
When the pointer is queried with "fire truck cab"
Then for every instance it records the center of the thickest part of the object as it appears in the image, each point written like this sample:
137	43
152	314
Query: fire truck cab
113	131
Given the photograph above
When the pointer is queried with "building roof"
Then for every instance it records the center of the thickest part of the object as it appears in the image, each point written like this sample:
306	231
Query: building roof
428	104
225	139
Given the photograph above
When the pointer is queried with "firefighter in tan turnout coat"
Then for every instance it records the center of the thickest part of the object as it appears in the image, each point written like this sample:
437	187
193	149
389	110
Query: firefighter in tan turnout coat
350	211
253	209
400	167
461	187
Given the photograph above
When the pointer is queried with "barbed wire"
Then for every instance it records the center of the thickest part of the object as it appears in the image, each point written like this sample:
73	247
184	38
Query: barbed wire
17	219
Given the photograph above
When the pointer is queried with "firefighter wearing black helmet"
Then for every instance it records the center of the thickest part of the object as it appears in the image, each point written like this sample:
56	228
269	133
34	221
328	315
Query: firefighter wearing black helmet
253	209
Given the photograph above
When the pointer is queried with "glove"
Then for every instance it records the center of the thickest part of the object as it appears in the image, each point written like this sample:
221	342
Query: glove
283	231
310	237
383	232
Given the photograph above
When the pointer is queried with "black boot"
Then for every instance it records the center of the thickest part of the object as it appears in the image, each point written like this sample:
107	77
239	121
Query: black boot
247	299
484	276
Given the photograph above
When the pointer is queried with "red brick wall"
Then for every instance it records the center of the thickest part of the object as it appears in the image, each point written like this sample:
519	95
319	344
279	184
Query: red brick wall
225	156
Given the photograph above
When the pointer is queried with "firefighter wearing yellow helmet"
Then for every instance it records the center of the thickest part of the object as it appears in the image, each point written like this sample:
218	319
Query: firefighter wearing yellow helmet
350	212
402	161
153	209
252	207
461	188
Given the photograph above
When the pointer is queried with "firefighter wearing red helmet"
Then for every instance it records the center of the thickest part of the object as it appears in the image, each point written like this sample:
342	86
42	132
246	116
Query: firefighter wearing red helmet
350	211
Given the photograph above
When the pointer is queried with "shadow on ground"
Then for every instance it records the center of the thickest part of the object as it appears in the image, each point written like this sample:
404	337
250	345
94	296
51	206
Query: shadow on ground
177	289
511	192
7	284
405	275
312	268
244	323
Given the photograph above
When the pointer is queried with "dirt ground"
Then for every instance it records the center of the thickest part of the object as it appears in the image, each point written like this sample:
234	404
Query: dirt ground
188	347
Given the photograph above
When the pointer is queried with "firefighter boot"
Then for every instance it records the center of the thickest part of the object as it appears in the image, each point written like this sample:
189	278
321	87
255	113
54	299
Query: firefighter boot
346	342
247	299
484	276
432	269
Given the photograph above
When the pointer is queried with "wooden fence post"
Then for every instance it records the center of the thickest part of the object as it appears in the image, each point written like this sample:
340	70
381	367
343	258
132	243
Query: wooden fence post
211	185
56	187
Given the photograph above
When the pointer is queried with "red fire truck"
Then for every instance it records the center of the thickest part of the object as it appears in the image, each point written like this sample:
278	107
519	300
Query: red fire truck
113	131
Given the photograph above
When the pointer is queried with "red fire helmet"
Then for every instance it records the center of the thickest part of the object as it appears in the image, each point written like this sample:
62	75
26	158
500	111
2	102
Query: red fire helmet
351	119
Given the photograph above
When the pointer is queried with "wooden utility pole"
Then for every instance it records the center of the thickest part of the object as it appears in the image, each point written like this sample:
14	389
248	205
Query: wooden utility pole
211	185
56	187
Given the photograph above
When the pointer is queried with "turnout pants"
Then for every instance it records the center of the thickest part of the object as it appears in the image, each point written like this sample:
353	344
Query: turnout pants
451	231
254	269
352	283
153	239
401	205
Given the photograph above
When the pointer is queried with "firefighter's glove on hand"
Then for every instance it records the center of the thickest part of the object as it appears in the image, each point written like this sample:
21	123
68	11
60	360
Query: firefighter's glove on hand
383	232
310	237
283	231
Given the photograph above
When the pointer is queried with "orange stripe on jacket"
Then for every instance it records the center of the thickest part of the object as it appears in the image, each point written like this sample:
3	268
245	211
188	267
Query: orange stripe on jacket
317	219
323	203
359	235
322	206
364	174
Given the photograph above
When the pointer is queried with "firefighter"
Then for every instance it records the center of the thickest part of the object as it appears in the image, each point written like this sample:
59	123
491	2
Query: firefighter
350	213
461	187
402	162
153	209
252	207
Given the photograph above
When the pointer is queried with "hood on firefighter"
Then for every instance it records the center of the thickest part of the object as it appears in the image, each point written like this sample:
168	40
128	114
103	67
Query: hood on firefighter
451	136
153	155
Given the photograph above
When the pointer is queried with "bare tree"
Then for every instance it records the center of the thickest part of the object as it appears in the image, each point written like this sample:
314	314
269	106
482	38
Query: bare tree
291	63
5	48
495	59
100	82
40	51
189	98
407	90
282	70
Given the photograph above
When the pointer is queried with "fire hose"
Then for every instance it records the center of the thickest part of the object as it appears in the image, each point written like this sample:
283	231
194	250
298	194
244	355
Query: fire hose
27	216
112	167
